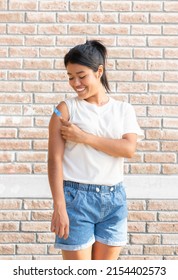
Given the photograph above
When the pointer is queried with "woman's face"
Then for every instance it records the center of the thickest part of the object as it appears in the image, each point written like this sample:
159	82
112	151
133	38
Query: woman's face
84	80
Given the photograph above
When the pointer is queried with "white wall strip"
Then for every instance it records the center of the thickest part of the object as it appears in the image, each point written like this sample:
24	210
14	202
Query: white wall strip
137	187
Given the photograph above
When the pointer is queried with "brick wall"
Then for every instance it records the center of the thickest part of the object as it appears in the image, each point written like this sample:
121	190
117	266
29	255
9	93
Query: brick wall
142	42
25	230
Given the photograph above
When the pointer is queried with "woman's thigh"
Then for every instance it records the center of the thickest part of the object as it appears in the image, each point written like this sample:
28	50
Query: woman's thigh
84	254
105	252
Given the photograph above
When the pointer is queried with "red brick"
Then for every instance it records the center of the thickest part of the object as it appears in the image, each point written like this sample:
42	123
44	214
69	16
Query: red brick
16	121
40	17
171	169
149	6
23	75
3	52
38	204
22	5
136	205
32	157
131	64
11	64
166	205
131	41
44	215
53	52
2	29
6	157
35	226
11	17
83	29
37	249
38	64
15	145
134	18
45	238
37	87
10	204
160	157
136	226
116	6
142	216
8	133
159	250
15	168
33	133
170	30
7	249
164	18
146	30
40	145
39	41
40	168
3	5
148	146
22	29
147	53
23	52
52	29
163	41
49	98
17	237
169	146
171	6
71	17
42	122
171	53
15	98
145	169
9	226
84	6
102	18
53	5
162	227
151	239
169	99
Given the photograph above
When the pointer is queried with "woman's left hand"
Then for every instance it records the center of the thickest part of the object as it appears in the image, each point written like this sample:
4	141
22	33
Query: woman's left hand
71	132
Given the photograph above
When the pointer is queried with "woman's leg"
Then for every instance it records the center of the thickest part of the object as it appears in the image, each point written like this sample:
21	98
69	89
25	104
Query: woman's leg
104	252
84	254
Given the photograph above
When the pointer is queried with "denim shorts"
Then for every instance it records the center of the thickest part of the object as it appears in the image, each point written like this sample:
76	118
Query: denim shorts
96	213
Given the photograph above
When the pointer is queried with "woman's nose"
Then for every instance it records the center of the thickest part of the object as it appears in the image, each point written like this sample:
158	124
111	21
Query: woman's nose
76	82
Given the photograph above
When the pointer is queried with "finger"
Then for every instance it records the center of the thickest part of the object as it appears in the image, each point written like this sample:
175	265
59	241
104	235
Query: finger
66	232
61	232
64	122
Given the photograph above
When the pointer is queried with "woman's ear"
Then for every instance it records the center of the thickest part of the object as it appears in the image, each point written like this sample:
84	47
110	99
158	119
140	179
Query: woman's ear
100	71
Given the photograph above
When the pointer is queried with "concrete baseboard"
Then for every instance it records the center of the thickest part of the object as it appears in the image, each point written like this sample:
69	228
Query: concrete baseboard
137	186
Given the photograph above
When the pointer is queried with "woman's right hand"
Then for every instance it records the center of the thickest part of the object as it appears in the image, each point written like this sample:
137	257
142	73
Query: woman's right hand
60	223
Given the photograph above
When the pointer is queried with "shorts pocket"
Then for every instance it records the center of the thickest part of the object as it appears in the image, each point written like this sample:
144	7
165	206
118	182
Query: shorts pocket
71	196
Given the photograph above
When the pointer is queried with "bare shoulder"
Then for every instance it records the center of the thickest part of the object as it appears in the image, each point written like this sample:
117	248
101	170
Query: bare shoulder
62	107
55	120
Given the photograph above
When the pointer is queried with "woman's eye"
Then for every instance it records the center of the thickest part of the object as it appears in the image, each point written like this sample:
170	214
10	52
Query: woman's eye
70	79
82	77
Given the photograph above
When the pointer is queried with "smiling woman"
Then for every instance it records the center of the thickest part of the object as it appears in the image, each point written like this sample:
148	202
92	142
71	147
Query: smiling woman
87	146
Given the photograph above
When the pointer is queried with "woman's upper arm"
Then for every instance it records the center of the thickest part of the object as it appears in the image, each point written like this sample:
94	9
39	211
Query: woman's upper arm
56	142
132	140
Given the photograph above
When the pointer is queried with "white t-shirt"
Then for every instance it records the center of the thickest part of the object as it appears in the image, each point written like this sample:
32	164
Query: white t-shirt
84	164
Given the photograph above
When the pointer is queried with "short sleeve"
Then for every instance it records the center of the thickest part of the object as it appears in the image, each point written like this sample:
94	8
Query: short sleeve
70	102
130	124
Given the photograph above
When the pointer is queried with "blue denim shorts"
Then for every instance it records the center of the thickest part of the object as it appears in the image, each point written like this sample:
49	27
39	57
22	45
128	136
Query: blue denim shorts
96	213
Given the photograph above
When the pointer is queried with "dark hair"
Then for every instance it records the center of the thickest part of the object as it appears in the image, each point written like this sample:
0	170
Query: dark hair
91	54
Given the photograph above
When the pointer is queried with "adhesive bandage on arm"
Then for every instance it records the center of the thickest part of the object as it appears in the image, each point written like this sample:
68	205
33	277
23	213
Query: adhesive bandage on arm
57	112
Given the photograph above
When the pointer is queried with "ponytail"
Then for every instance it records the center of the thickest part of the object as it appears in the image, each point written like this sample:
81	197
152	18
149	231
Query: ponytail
91	54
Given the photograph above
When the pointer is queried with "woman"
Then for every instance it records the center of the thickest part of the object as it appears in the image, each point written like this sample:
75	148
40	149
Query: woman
87	145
